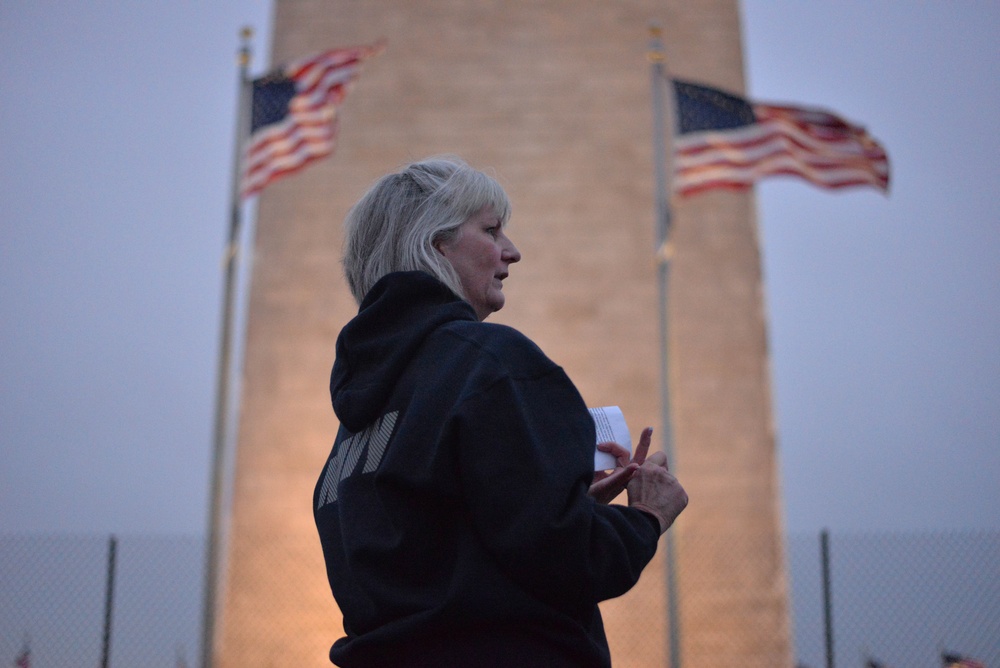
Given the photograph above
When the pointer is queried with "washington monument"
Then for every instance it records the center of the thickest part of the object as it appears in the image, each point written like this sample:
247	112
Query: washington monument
552	96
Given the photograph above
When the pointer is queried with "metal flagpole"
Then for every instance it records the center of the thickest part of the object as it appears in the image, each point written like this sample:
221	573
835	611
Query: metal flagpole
664	253
224	370
109	602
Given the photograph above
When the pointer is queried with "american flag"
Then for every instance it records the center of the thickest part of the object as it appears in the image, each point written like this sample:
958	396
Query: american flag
959	661
23	659
726	141
294	114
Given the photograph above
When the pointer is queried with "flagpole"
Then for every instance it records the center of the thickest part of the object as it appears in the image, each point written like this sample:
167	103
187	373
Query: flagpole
663	254
212	552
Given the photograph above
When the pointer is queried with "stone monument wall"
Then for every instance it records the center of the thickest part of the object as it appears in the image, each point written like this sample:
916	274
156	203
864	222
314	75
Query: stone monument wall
554	96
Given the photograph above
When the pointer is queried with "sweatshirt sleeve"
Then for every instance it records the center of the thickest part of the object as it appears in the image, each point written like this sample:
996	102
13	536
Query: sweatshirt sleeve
526	462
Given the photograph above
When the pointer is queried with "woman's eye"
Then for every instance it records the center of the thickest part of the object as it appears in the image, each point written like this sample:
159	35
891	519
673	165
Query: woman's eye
494	231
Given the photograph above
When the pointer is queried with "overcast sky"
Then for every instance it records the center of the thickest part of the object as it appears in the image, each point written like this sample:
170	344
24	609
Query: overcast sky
116	129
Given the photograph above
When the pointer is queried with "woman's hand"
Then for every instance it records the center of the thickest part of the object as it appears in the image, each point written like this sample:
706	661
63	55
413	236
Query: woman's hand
607	486
655	490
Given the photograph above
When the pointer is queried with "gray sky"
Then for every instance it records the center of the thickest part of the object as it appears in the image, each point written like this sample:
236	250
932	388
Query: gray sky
116	129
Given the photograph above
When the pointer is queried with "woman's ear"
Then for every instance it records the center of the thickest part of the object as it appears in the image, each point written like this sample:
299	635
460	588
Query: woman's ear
442	243
446	240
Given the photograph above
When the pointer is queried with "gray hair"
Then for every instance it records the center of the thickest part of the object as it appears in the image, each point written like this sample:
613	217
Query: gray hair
396	224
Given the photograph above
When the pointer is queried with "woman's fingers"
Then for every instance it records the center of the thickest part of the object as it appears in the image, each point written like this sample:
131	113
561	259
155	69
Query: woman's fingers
659	458
642	449
604	490
619	452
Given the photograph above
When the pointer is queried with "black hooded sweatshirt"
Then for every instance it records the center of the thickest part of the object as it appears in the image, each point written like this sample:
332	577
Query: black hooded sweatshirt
453	510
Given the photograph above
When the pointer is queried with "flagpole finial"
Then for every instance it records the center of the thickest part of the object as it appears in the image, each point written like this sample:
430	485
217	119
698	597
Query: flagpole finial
246	34
655	53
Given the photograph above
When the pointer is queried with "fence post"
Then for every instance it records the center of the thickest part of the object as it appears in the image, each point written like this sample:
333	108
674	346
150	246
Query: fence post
109	597
824	542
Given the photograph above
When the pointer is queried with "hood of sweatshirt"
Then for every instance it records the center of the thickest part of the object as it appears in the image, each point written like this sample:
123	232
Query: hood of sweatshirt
375	348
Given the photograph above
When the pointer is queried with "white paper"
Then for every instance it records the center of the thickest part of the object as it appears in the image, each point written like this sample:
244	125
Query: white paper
610	426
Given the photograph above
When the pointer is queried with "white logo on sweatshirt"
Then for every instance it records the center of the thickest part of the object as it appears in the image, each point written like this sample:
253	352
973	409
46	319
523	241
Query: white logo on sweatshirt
375	436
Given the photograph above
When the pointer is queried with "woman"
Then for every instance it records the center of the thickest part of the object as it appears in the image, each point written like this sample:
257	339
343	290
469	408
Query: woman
454	511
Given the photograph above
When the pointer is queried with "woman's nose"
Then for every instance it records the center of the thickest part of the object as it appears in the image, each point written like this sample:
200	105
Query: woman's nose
510	253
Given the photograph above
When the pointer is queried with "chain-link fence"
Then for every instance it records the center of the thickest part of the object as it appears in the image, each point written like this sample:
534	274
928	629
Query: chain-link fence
898	600
895	599
54	600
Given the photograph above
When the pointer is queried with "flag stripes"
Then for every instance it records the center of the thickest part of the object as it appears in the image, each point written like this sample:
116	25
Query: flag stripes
726	151
959	661
294	114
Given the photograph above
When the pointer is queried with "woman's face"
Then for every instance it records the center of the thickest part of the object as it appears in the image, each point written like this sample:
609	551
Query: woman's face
481	255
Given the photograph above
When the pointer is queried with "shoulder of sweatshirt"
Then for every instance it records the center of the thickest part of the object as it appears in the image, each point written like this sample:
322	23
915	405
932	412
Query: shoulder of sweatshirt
499	346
